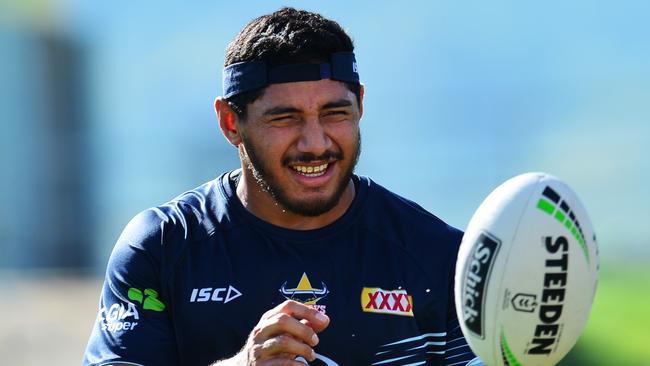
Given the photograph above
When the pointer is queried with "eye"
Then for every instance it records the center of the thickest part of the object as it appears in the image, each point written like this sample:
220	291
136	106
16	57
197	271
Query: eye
336	113
284	118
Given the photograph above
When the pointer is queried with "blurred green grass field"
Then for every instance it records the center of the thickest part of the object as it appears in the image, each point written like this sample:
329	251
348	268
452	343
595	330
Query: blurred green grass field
618	330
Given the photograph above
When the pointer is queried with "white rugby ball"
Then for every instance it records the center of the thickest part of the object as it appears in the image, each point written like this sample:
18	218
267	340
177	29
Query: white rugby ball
526	273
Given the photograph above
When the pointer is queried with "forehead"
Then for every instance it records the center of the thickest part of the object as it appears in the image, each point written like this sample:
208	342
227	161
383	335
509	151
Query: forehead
303	94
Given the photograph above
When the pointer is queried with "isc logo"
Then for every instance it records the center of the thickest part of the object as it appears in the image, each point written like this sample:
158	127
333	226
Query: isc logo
376	300
218	294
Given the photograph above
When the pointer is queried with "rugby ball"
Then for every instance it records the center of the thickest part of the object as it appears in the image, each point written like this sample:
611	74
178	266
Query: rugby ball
526	273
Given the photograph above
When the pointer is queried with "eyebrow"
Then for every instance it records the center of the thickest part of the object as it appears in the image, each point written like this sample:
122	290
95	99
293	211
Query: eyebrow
337	104
280	110
274	111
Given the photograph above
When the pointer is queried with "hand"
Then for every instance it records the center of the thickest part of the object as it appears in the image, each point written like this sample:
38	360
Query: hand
282	334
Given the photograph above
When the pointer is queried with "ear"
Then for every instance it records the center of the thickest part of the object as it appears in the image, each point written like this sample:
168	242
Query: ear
227	121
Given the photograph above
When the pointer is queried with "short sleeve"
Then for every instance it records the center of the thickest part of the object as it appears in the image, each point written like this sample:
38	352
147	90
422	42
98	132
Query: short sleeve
133	324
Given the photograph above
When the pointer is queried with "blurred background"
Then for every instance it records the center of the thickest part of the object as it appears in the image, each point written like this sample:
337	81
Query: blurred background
106	110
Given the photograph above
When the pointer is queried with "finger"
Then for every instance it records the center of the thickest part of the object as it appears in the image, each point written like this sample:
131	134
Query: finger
317	326
285	346
317	320
283	323
280	362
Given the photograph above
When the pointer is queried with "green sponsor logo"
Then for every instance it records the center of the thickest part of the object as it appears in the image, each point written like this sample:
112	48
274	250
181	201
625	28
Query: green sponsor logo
552	204
148	299
508	358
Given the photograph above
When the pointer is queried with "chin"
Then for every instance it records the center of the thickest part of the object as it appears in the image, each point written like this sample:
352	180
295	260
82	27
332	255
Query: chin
313	207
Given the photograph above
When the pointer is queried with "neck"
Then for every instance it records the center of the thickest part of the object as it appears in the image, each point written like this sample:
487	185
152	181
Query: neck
261	204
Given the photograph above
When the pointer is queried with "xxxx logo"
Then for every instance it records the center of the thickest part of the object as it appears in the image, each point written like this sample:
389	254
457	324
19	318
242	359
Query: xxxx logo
377	300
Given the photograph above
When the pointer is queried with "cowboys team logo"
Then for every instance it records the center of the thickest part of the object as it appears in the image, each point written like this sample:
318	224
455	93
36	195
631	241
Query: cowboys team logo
305	293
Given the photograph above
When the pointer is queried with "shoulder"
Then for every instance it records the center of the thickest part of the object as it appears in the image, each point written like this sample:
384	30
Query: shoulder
187	214
398	212
165	230
409	225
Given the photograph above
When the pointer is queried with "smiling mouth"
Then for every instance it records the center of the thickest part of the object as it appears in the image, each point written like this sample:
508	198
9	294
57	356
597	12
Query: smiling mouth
310	171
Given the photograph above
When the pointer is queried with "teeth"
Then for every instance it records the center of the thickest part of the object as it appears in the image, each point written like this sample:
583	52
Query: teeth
311	171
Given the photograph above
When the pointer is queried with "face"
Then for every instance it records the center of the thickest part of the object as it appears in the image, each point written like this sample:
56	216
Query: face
301	142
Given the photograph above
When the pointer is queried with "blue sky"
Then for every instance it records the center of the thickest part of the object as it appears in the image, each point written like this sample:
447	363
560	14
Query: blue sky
460	97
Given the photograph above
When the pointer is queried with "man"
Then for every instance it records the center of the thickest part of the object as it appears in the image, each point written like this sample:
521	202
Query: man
291	259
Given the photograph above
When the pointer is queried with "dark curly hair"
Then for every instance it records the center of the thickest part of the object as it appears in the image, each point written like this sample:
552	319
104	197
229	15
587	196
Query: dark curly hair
287	36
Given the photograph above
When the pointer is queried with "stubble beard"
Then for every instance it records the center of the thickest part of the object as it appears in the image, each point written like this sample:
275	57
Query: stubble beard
268	182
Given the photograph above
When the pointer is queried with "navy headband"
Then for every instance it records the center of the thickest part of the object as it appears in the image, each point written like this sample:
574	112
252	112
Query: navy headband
245	76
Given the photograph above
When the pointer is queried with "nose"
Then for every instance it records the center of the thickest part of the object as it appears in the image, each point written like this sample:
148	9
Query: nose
313	137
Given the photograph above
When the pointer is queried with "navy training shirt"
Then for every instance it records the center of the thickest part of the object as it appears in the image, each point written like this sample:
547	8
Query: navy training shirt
187	282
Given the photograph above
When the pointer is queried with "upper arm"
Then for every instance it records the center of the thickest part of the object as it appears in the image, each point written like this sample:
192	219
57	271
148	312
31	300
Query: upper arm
133	324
